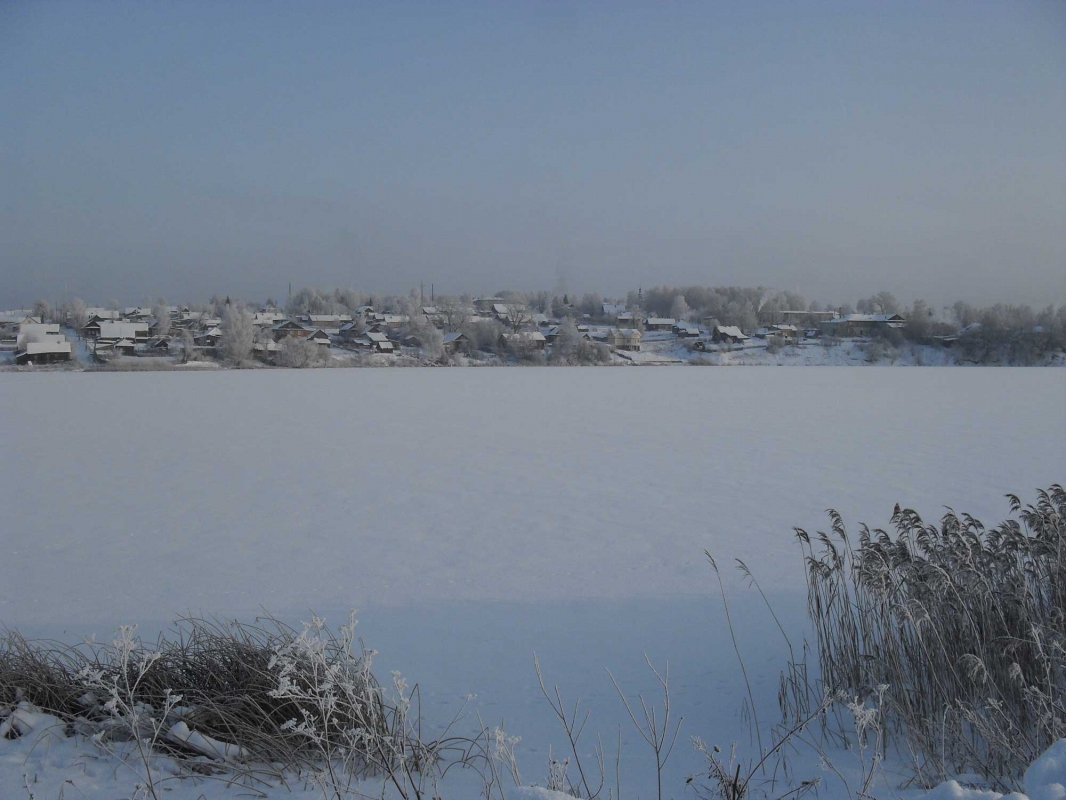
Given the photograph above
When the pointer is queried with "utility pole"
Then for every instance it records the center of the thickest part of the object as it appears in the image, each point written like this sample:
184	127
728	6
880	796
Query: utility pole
432	294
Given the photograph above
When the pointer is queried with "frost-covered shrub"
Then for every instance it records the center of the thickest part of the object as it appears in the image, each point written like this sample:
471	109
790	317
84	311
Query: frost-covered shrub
133	364
299	353
280	694
484	335
531	358
880	351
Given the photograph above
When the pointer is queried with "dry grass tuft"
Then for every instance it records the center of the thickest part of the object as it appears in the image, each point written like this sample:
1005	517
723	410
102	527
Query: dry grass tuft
959	631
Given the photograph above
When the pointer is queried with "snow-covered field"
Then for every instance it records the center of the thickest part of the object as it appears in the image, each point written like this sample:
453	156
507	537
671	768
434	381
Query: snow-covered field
474	516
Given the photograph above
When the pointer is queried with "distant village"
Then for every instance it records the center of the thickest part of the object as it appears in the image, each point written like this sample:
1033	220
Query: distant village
469	330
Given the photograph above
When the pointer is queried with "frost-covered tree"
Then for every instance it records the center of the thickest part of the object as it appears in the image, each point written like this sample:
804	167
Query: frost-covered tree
79	314
679	308
566	343
484	334
453	313
187	345
432	342
592	304
919	321
162	317
518	316
572	348
238	334
880	303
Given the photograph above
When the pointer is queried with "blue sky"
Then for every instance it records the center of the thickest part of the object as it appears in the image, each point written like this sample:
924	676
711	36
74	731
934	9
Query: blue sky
837	148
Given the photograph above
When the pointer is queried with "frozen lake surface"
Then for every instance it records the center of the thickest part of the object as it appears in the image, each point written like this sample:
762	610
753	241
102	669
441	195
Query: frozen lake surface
142	495
474	515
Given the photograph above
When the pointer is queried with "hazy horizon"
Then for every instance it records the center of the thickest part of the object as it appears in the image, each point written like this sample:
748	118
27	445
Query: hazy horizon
834	148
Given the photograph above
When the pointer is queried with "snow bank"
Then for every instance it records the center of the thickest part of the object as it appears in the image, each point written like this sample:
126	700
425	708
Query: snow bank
1044	780
24	719
953	790
537	793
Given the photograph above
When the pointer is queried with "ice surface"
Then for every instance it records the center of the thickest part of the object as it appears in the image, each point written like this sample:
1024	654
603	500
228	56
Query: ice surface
136	496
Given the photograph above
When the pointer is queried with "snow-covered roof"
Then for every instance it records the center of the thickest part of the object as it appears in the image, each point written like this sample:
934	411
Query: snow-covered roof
610	309
36	328
429	310
123	330
525	336
38	348
730	330
661	321
452	337
287	324
376	337
266	318
499	308
628	332
124	343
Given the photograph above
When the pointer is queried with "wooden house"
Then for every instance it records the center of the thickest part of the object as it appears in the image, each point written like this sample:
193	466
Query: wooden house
49	352
686	330
456	342
289	328
522	341
624	338
659	324
727	334
862	324
136	332
209	338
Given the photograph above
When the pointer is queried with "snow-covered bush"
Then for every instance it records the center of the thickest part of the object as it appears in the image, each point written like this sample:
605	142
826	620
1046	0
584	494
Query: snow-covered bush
299	353
280	694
